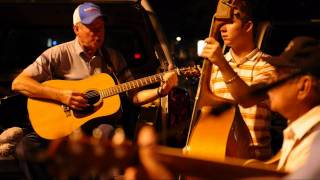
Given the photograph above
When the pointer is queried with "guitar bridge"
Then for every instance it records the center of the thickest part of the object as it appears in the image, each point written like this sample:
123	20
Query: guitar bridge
66	110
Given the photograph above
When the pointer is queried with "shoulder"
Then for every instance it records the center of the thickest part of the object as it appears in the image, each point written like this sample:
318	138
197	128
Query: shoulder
59	49
262	56
261	60
263	71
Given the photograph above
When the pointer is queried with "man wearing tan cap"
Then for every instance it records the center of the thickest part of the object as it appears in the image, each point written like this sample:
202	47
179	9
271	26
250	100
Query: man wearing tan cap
297	98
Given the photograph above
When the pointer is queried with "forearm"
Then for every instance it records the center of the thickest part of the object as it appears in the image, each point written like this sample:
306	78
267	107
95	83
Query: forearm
169	81
145	96
148	95
32	88
240	91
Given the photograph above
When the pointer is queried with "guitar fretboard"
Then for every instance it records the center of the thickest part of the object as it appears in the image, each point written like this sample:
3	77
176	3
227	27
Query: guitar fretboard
130	85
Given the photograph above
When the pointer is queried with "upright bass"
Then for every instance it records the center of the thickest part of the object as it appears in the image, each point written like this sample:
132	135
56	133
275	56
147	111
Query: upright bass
217	129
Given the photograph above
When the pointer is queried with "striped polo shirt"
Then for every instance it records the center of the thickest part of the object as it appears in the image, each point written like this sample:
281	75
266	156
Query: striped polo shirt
253	69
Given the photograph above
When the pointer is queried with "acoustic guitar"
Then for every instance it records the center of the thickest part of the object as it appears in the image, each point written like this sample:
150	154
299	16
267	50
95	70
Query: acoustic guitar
52	120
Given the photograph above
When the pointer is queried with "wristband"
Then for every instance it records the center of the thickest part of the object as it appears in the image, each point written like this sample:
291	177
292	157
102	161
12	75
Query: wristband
229	81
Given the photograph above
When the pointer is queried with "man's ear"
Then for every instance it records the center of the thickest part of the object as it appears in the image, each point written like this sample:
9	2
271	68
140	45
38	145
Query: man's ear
248	26
75	29
304	86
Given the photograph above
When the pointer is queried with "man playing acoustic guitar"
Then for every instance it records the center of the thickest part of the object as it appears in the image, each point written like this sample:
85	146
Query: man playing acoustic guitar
75	60
243	66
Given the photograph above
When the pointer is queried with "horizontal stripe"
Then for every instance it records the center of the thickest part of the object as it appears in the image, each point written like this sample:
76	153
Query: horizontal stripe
259	135
255	115
256	118
252	72
221	91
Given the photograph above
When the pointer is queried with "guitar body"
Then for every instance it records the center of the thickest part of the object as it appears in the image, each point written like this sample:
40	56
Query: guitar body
52	120
210	134
220	132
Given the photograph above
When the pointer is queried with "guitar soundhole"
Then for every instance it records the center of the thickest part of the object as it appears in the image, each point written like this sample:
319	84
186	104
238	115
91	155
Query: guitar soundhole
92	97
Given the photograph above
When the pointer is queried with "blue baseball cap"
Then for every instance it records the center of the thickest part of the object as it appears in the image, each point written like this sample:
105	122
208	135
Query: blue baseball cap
86	13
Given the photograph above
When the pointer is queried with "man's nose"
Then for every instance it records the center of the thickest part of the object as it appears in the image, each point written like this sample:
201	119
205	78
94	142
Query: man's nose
223	27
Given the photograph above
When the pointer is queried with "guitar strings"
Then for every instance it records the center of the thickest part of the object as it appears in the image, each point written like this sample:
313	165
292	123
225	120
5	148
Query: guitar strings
93	94
157	78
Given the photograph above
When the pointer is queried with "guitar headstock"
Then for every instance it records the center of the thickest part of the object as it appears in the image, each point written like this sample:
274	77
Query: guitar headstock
192	71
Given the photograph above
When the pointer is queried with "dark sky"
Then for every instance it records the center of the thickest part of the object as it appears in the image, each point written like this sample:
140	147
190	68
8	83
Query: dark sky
186	18
192	18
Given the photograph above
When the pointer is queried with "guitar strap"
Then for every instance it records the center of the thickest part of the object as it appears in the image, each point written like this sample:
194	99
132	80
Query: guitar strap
109	65
116	64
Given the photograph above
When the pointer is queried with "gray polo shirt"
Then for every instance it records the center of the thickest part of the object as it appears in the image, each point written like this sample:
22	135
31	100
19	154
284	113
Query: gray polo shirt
68	61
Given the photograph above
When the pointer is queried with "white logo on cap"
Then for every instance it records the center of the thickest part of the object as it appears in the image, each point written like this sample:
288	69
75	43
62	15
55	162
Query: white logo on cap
90	9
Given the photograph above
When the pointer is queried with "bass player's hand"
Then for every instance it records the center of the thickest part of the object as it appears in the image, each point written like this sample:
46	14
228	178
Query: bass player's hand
213	52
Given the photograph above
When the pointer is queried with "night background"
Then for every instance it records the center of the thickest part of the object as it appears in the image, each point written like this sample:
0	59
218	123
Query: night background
188	19
191	18
28	27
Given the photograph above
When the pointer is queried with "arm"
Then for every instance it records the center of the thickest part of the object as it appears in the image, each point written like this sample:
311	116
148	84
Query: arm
239	90
170	80
25	84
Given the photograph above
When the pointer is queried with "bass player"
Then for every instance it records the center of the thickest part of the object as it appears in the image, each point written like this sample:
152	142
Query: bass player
241	67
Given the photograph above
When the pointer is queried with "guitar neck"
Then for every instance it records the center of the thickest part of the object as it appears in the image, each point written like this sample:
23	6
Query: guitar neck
131	85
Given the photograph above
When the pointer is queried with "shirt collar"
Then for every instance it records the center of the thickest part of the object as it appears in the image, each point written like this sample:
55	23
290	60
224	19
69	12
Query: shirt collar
300	127
249	57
